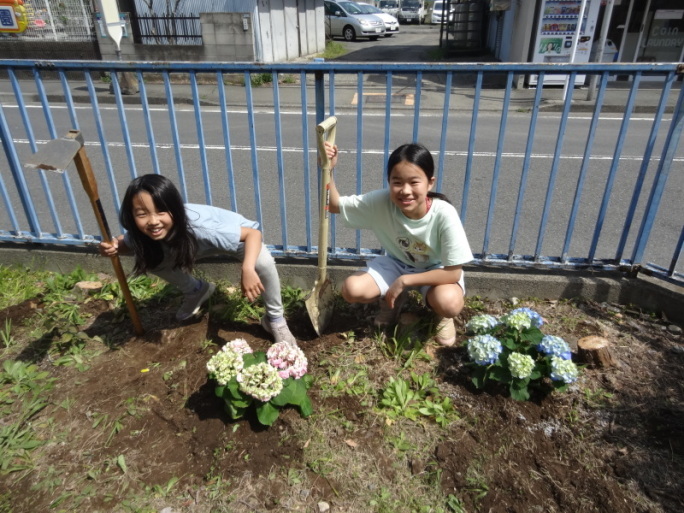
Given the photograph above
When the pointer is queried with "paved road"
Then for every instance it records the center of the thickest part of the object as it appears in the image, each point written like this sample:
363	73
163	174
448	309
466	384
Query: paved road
414	43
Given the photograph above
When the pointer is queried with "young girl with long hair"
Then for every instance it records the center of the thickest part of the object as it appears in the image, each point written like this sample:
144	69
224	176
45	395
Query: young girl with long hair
422	235
167	236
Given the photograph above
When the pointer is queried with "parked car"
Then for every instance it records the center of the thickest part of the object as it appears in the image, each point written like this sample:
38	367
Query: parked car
412	11
391	23
347	20
391	7
438	9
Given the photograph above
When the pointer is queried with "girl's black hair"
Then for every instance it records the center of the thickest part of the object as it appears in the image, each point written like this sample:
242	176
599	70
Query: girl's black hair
180	241
418	155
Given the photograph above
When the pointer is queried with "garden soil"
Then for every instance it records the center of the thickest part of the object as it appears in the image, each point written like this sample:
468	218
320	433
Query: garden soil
613	443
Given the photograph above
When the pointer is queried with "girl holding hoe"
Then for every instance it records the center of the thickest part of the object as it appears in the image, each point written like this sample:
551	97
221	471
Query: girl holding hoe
166	236
422	235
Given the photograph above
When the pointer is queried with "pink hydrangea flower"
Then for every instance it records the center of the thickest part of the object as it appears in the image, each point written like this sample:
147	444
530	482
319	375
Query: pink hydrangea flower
289	361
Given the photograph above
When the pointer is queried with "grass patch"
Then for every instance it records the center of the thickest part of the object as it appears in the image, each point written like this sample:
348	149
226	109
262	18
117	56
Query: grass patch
333	49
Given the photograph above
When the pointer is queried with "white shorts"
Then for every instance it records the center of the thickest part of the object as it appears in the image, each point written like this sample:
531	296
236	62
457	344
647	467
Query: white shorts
384	270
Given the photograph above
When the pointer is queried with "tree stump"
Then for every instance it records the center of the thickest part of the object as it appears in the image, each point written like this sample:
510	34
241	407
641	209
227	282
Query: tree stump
87	288
595	351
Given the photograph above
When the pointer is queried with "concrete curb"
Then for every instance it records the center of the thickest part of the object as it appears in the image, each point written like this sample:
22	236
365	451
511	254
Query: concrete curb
495	283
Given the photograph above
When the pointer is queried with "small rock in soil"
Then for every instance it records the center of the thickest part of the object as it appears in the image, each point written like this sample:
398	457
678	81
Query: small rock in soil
323	507
673	328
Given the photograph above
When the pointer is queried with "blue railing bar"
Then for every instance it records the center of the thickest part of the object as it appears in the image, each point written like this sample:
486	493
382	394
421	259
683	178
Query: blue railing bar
200	139
416	106
124	124
497	163
65	176
359	146
232	191
554	167
445	130
148	123
331	94
53	135
23	111
615	163
279	158
175	135
669	151
677	254
8	205
253	145
17	174
585	165
388	125
342	67
69	100
305	157
526	165
471	148
75	125
103	141
648	152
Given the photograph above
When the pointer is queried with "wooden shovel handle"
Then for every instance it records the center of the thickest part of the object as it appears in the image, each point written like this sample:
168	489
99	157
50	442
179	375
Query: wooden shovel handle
328	126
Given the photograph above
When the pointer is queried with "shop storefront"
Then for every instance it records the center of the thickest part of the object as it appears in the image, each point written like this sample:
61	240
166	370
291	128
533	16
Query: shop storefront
647	30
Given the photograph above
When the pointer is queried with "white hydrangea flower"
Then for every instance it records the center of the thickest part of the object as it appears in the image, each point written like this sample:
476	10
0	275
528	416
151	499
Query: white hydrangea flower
239	345
290	361
520	365
537	320
481	324
563	370
261	381
225	365
519	320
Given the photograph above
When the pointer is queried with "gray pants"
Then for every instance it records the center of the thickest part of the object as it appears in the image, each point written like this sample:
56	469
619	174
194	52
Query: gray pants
265	268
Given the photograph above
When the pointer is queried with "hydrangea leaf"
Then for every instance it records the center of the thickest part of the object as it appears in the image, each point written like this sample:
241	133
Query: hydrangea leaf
267	413
532	335
232	411
518	389
305	407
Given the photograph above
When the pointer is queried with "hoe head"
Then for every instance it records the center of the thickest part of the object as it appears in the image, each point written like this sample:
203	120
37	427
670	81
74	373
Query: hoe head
57	154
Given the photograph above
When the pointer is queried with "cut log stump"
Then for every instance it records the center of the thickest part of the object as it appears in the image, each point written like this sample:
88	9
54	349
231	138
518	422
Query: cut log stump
595	351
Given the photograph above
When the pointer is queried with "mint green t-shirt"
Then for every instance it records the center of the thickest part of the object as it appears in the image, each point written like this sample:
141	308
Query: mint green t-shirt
435	240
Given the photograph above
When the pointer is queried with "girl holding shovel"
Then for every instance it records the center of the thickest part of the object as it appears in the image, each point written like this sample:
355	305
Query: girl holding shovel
166	236
420	231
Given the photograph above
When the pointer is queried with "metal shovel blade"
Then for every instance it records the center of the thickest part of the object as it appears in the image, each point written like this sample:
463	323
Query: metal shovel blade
320	303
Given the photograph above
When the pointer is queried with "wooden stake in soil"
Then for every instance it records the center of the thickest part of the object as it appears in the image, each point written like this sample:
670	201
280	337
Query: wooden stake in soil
595	351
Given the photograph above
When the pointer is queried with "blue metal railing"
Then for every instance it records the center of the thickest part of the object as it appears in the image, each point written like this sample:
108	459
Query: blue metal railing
227	142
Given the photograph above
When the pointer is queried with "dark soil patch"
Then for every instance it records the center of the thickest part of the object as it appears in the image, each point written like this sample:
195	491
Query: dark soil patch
613	443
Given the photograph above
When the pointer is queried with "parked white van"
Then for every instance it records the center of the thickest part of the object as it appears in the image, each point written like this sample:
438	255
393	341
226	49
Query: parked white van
438	9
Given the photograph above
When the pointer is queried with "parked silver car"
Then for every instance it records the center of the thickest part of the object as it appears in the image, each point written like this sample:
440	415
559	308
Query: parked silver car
391	23
345	19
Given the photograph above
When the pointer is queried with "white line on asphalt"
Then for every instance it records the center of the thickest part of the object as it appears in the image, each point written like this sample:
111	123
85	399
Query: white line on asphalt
490	154
189	108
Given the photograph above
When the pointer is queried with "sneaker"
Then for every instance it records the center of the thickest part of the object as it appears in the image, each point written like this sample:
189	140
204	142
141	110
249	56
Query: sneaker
193	302
446	332
280	331
389	316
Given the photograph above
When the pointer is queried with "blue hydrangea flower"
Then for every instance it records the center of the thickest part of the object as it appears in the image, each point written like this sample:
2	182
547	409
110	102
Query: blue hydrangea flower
484	349
481	324
520	365
551	345
563	370
517	320
536	319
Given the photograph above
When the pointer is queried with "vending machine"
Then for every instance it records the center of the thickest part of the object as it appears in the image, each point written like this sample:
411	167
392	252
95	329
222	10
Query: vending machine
556	26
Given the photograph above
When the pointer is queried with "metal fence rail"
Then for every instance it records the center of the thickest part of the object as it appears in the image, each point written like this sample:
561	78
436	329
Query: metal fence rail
563	190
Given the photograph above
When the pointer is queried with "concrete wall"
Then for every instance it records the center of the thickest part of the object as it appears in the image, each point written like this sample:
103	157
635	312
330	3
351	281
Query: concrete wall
49	50
223	34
